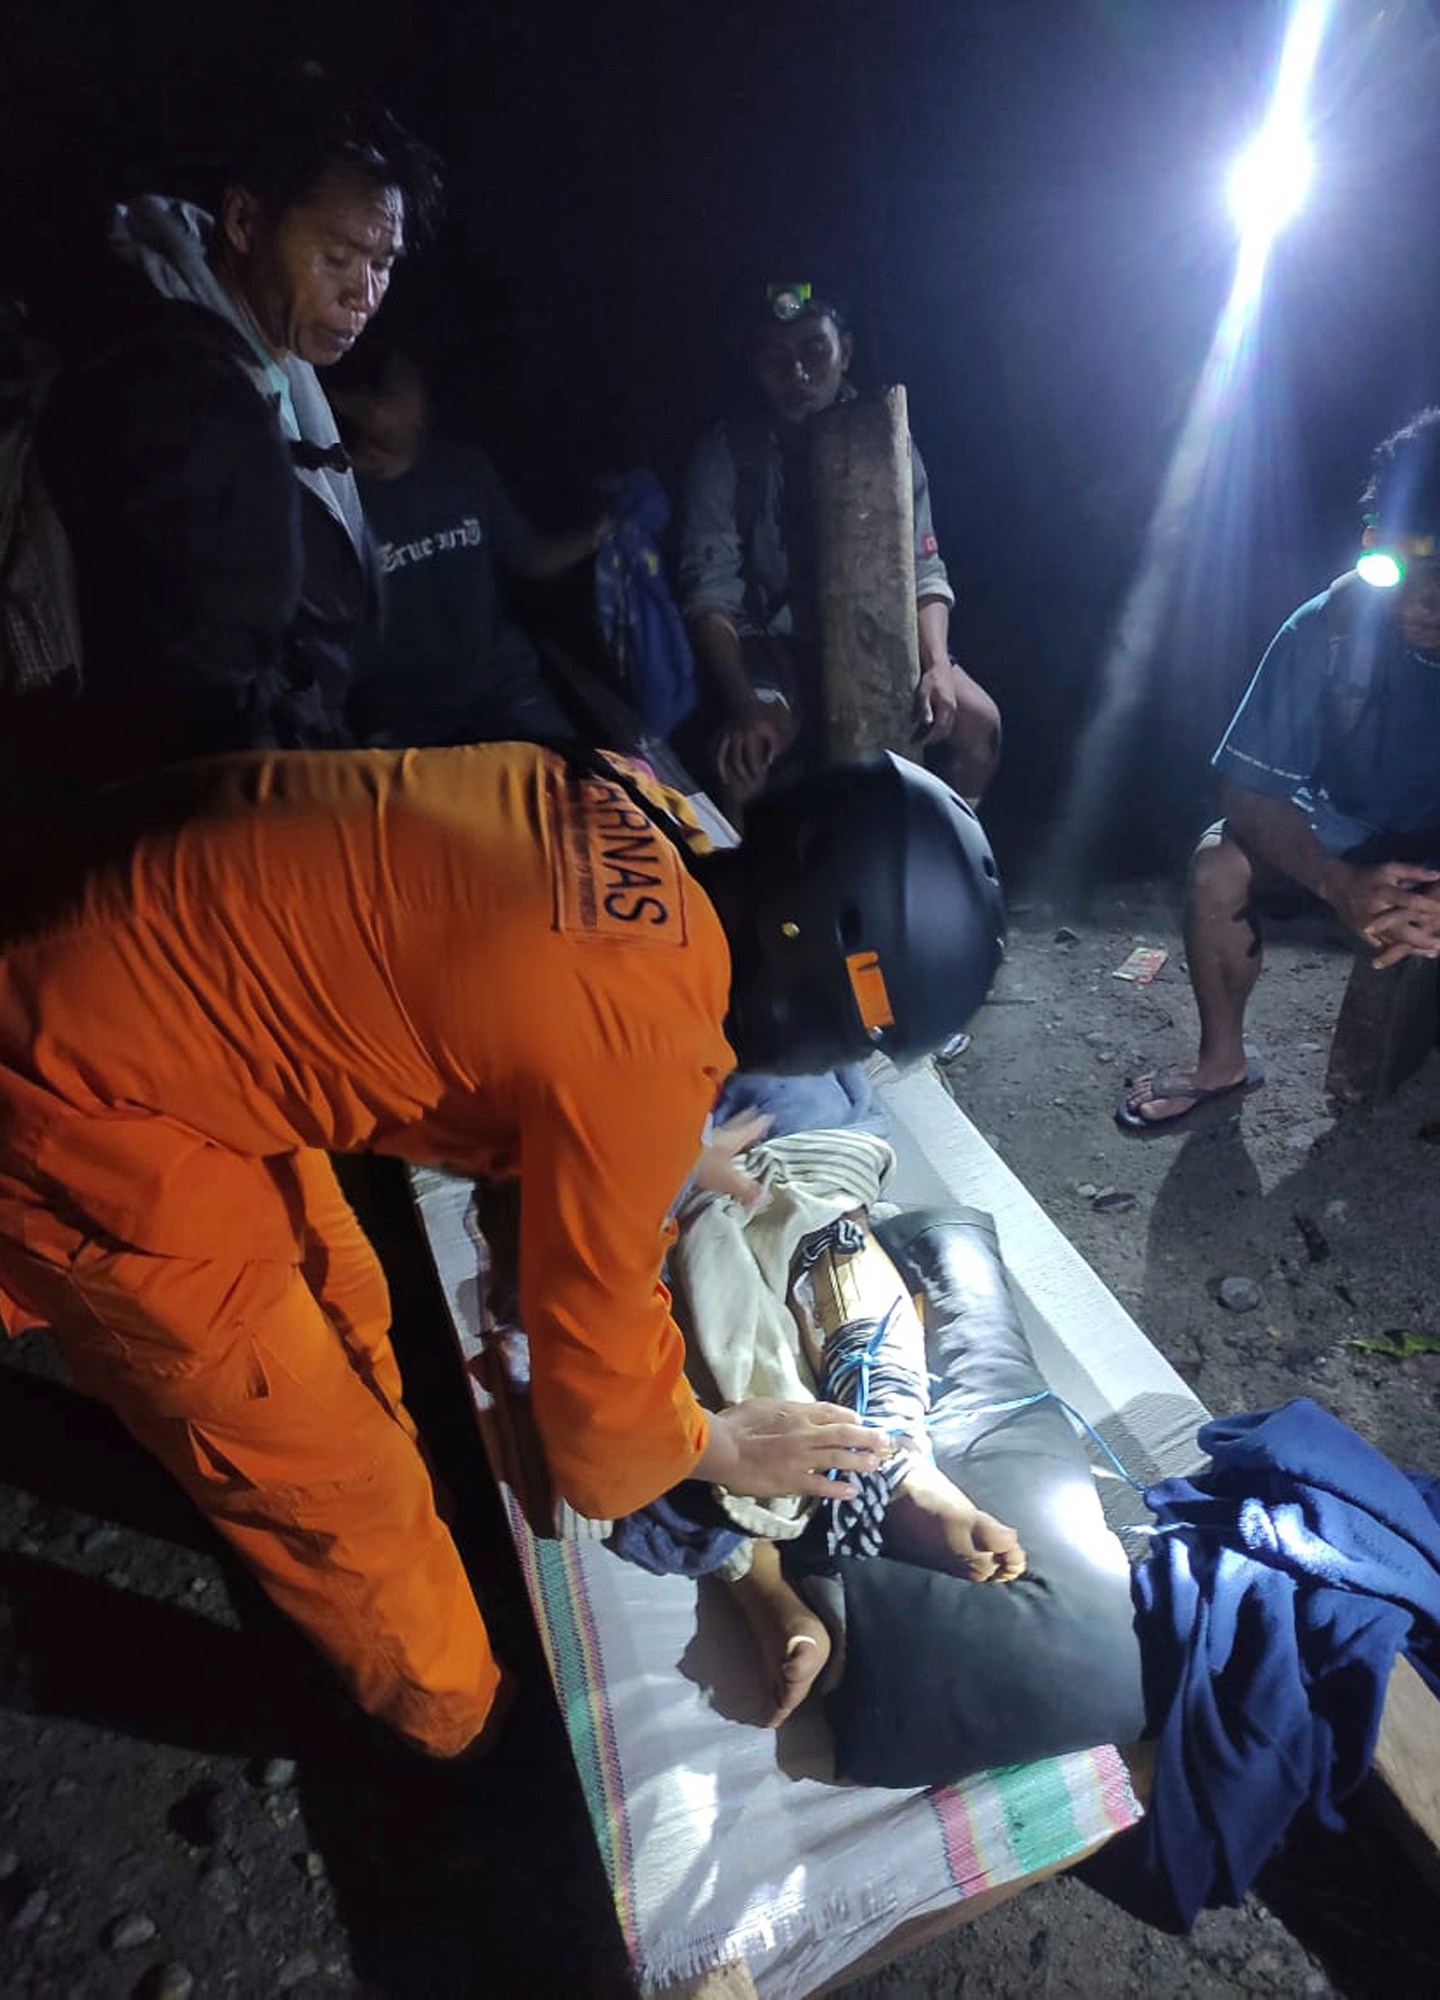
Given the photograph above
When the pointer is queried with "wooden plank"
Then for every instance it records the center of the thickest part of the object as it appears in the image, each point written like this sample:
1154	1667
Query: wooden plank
1405	1776
864	505
1386	1027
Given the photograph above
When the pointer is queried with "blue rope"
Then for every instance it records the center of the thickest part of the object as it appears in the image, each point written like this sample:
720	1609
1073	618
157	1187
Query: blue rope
1002	1411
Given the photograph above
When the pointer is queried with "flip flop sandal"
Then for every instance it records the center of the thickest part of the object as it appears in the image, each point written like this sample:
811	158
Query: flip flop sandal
1130	1120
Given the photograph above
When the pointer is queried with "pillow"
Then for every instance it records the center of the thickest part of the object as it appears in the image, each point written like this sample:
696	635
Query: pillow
943	1677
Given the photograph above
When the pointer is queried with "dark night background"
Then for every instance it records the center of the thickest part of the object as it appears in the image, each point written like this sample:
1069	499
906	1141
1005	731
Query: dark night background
1023	200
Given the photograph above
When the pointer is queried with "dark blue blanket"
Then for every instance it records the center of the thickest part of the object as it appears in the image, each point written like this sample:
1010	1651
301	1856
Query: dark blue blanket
1270	1614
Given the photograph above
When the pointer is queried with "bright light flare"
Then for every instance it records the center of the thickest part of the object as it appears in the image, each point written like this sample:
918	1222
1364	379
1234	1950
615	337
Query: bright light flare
1379	569
1269	182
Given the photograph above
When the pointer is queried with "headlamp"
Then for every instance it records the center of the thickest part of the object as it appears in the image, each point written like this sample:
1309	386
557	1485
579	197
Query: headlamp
787	302
1383	565
1380	569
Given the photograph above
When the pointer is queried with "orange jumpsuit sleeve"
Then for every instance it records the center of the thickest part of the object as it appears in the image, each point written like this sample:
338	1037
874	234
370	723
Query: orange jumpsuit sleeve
601	1162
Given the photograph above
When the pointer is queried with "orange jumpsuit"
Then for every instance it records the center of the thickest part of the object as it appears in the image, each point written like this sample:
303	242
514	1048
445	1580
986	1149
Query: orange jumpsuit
210	980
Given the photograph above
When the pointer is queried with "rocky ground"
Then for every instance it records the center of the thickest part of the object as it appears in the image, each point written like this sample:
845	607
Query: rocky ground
187	1808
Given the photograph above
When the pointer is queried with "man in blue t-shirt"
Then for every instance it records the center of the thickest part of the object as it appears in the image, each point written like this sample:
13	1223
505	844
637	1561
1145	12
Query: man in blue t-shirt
1330	779
451	665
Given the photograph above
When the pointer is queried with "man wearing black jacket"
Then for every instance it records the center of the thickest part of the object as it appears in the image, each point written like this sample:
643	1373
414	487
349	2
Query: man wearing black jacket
222	565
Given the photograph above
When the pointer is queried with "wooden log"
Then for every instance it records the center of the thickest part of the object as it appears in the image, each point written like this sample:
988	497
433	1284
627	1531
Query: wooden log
864	504
1386	1027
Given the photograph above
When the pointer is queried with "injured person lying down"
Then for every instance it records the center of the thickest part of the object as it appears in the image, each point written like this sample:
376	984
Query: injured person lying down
967	1606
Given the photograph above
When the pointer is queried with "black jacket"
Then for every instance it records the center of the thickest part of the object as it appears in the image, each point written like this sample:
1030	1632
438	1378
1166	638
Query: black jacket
221	602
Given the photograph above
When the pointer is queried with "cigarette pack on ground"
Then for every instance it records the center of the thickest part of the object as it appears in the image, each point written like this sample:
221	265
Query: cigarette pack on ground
1142	964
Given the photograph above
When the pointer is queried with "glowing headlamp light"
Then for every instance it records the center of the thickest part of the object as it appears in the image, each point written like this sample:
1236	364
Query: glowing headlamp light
1380	569
1384	567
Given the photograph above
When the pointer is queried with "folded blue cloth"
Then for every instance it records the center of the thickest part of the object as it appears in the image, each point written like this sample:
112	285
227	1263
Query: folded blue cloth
683	1533
825	1103
1281	1586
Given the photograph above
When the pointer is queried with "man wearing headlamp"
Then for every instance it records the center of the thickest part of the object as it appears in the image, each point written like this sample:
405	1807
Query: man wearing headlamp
1330	779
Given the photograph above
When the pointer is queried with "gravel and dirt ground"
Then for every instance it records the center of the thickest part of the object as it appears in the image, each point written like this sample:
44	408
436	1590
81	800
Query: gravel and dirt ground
188	1808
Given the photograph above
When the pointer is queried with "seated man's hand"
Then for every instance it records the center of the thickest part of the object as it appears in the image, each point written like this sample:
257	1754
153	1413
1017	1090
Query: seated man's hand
716	1171
951	708
764	1448
1387	906
1408	933
750	742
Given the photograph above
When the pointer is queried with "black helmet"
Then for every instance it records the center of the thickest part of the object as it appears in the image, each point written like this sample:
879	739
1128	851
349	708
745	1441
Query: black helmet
868	916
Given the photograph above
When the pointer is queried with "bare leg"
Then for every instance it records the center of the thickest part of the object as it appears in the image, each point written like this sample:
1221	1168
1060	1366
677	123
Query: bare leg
1222	947
793	1643
933	1523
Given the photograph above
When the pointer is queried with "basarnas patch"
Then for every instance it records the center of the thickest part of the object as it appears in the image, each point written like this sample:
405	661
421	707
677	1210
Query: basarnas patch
616	873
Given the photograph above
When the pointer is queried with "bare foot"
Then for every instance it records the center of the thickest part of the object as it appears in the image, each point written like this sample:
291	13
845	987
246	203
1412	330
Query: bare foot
792	1641
931	1522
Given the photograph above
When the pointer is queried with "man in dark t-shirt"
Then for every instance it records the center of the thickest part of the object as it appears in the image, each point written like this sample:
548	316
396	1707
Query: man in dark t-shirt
1330	781
450	665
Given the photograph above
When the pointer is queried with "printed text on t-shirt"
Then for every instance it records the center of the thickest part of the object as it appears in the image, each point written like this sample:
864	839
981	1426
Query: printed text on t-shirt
466	534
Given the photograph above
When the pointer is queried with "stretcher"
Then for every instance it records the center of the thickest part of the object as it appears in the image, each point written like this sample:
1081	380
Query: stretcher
735	1865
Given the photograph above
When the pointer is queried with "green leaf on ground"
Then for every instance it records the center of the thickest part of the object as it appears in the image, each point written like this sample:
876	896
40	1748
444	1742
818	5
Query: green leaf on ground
1398	1344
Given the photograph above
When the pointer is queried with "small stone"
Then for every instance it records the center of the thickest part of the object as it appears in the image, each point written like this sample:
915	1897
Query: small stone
198	1585
992	1140
1299	1142
1114	1203
128	1933
1097	1039
1309	1048
95	1541
1087	1190
314	1866
304	1965
1104	1055
222	1885
276	1773
1336	1211
167	1982
1239	1295
31	1910
1066	936
9	1862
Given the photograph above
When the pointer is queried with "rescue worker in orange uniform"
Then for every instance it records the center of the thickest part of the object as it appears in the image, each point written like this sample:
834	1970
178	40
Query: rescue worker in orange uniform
489	957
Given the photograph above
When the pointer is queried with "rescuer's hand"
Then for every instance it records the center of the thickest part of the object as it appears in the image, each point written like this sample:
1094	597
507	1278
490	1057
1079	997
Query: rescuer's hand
716	1171
764	1448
